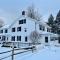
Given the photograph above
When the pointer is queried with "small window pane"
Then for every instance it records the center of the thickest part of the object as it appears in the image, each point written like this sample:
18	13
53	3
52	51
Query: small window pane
3	38
13	29
18	38
13	38
20	21
25	29
24	21
25	39
1	31
6	31
23	12
40	27
18	28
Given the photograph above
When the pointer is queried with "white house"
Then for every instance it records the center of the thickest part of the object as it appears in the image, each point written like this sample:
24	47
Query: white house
19	32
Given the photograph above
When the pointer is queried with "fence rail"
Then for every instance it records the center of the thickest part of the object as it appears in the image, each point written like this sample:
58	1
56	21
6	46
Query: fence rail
25	50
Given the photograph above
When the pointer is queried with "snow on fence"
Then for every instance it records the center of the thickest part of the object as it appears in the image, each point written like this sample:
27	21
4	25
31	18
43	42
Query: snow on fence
13	49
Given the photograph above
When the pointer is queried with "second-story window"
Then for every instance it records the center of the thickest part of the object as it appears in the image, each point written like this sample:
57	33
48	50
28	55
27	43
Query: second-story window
1	31
13	29
6	30
18	28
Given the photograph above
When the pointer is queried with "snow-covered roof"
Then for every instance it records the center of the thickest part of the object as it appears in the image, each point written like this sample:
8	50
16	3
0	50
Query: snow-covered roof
21	17
39	22
5	26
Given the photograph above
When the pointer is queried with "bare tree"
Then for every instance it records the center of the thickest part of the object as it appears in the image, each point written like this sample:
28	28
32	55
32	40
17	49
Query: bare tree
1	22
32	13
34	37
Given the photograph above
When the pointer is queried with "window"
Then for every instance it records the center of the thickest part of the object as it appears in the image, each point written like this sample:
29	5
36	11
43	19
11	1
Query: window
59	40
3	38
25	39
0	37
46	39
52	39
23	12
18	28
13	29
43	28
1	31
13	38
22	21
7	38
40	27
25	29
48	30
18	38
6	31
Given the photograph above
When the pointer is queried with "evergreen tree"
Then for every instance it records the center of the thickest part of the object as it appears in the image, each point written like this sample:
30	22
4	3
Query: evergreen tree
57	22
50	20
58	17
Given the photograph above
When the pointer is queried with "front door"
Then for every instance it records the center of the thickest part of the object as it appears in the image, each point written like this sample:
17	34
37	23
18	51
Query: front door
46	39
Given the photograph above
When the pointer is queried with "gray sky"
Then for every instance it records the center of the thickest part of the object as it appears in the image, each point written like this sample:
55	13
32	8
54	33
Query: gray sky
10	9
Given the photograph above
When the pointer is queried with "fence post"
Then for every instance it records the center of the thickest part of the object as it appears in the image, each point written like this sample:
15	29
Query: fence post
13	51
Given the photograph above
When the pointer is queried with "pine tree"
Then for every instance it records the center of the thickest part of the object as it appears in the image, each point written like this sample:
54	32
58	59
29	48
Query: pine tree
50	20
57	21
58	17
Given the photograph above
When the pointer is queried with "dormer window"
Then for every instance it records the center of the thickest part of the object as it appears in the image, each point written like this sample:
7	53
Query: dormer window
23	12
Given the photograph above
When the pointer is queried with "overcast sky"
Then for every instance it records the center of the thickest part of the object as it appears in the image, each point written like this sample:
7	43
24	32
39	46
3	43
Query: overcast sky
10	9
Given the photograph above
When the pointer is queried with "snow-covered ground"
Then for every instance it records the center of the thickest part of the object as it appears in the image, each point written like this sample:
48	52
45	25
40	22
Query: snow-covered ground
42	53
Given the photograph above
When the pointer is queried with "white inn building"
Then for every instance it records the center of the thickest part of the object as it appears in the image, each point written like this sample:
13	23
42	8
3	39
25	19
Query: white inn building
20	30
